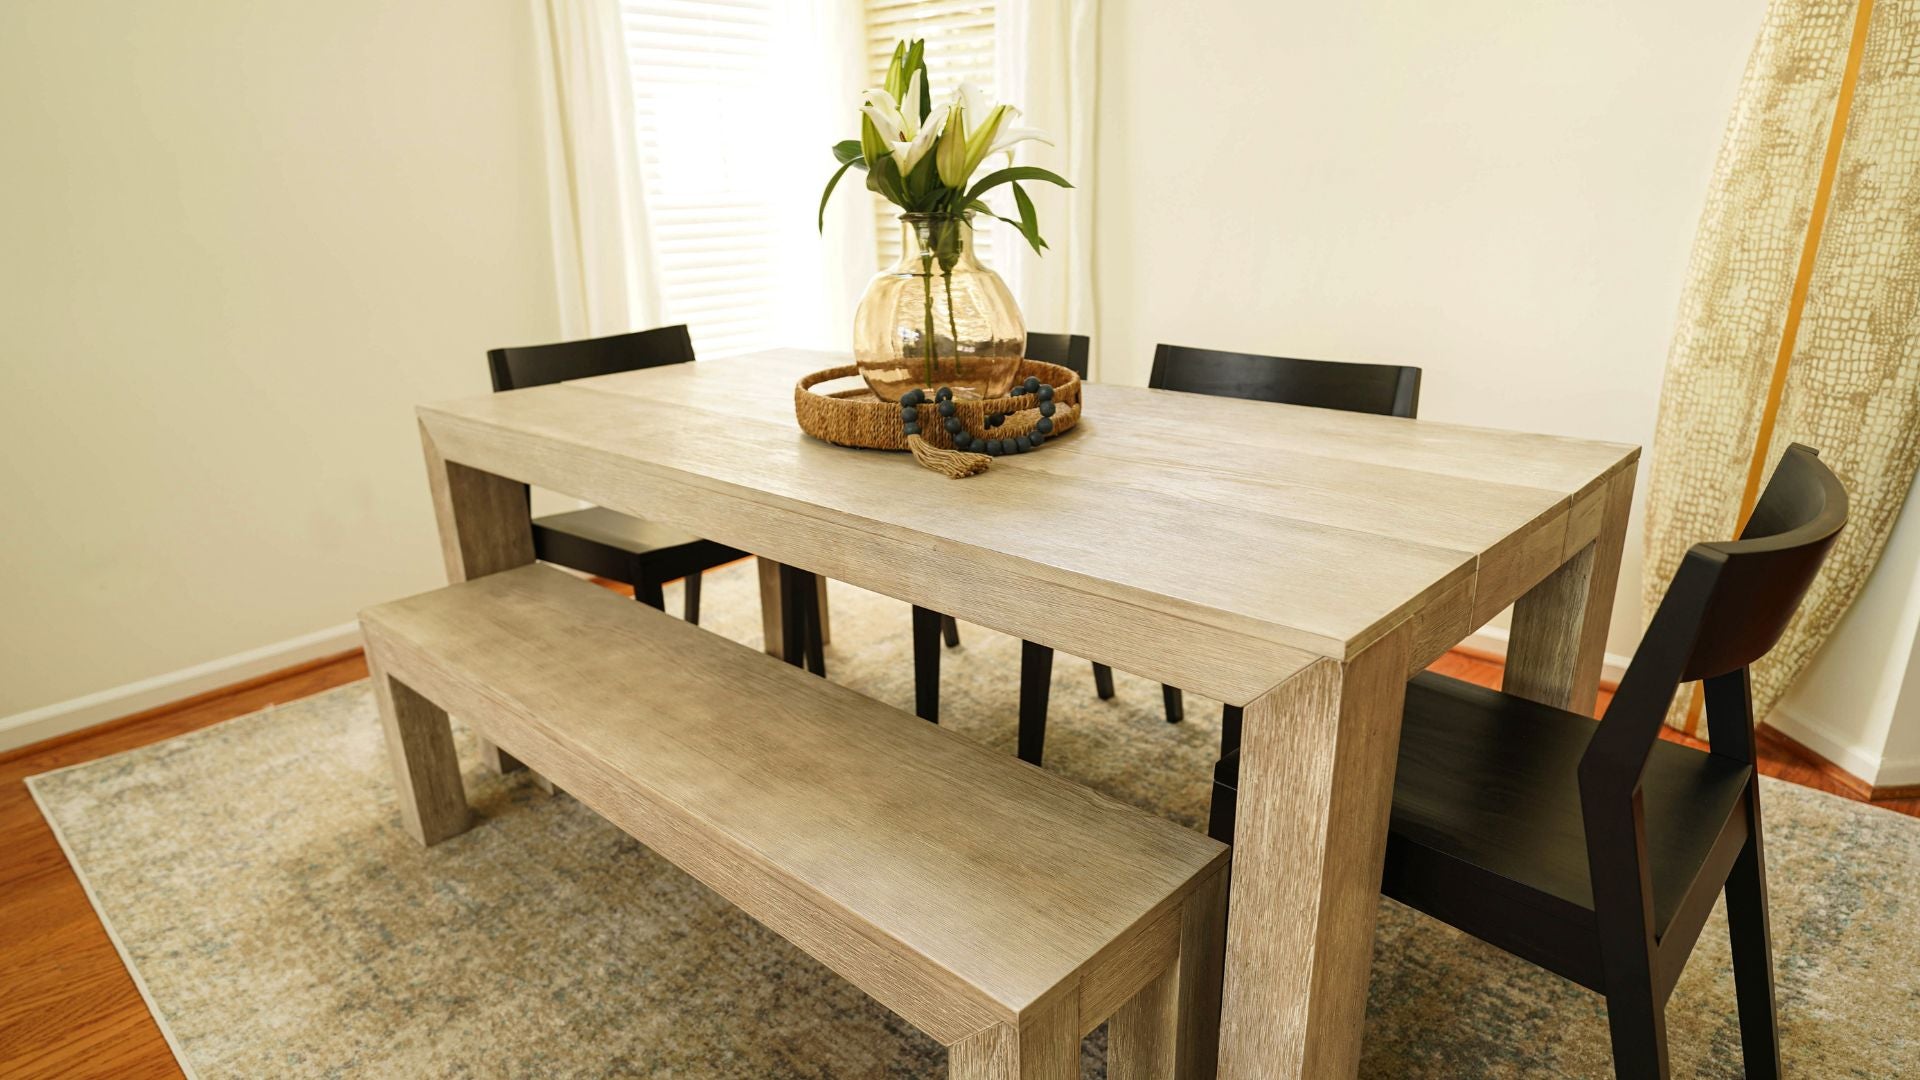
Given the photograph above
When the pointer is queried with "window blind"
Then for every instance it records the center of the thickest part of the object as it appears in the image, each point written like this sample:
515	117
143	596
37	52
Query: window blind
698	67
960	47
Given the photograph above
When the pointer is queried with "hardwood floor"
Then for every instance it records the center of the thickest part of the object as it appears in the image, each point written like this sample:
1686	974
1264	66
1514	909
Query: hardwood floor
70	1009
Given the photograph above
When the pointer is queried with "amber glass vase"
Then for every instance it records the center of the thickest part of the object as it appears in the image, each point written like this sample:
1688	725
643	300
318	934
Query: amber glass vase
937	317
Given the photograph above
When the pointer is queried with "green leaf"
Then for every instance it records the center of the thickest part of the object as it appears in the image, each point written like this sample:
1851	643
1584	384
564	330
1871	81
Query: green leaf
828	194
1029	224
1018	172
850	152
884	178
896	81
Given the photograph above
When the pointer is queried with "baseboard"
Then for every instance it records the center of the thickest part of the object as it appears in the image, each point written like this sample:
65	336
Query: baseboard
1490	643
62	717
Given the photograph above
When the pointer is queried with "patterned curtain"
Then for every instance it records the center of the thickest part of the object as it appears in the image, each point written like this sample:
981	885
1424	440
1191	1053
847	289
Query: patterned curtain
1827	123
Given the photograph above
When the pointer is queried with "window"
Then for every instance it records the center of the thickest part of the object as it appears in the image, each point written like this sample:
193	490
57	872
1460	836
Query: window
960	47
732	239
697	67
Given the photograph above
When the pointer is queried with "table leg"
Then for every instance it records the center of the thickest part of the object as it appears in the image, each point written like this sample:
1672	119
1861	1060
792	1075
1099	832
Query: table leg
1559	638
773	641
485	527
1316	788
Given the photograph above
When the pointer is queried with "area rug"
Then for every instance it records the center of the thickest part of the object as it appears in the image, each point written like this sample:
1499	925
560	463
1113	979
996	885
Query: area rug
256	879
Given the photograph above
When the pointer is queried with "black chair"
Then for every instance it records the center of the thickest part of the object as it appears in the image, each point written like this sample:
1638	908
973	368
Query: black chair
1381	389
929	626
1596	850
607	543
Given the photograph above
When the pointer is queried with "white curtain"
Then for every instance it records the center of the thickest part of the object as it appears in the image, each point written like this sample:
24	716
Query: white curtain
825	269
603	254
1048	57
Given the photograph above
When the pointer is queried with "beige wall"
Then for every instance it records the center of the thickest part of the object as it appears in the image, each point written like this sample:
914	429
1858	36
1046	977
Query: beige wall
1502	193
238	241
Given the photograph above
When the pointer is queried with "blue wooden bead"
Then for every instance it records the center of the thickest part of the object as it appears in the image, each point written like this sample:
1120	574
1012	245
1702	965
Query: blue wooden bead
1046	408
946	408
1036	439
945	393
954	425
1044	427
1023	444
1045	393
911	429
1032	384
961	440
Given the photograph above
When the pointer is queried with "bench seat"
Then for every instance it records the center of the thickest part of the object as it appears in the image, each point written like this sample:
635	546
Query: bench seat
1003	911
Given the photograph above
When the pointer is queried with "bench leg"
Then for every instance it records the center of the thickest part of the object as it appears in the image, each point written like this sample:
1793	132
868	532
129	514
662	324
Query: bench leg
1203	956
426	772
1142	1037
1045	1047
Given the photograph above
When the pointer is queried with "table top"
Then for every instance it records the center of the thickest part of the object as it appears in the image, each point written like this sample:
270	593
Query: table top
1217	543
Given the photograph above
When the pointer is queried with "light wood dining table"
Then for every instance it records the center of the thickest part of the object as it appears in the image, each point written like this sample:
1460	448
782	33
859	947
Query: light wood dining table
1299	562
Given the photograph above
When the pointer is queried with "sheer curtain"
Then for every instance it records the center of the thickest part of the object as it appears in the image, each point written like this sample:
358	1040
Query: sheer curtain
602	248
1048	56
774	148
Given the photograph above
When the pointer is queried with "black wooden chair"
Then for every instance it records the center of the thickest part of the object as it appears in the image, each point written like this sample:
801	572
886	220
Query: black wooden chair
929	626
612	545
1381	389
1596	850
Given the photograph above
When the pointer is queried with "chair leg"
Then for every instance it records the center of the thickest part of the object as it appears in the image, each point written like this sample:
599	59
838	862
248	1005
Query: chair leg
693	597
649	593
1752	952
815	631
1036	680
1176	704
800	621
950	630
1103	681
926	664
1225	801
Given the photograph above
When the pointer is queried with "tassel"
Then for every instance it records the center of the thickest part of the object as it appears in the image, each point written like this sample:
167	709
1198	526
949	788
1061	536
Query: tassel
952	463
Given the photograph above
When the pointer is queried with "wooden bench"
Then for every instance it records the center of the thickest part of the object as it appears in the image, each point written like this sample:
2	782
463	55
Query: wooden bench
996	907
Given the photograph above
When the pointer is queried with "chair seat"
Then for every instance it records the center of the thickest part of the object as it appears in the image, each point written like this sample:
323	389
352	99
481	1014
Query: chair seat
1487	793
571	539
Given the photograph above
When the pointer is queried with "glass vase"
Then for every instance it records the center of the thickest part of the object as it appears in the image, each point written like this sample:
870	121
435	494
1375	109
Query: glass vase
937	317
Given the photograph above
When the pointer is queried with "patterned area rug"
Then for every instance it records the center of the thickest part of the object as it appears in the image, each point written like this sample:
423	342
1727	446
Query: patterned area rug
281	924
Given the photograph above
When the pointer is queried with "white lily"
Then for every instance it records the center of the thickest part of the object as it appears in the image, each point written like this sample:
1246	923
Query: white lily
966	147
906	136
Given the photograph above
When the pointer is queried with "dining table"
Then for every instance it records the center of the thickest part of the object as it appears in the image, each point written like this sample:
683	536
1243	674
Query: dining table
1300	563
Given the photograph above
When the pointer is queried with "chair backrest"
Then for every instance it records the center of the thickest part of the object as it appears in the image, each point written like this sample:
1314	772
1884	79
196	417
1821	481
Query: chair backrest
538	365
1728	604
1067	350
1383	389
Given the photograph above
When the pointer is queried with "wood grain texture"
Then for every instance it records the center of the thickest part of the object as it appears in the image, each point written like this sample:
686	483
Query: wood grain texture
1143	1036
1559	638
426	769
1203	953
1044	1046
486	526
71	1010
1316	785
959	887
1325	529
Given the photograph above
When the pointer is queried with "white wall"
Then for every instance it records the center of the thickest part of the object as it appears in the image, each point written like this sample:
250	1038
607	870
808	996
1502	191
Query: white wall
1858	705
238	241
1502	193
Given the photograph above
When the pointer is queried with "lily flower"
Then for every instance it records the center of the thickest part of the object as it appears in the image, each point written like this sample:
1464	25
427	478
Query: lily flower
906	136
964	148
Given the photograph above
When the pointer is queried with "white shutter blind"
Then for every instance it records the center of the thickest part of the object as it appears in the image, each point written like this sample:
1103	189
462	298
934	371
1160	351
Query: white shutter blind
701	69
960	47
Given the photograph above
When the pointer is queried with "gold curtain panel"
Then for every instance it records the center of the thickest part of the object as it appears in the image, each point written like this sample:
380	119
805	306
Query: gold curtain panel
1805	270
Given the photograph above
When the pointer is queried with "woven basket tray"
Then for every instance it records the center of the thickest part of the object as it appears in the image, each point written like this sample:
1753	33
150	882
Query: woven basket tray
858	418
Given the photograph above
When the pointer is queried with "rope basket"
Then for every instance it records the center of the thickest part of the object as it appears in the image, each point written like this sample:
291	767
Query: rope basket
859	418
